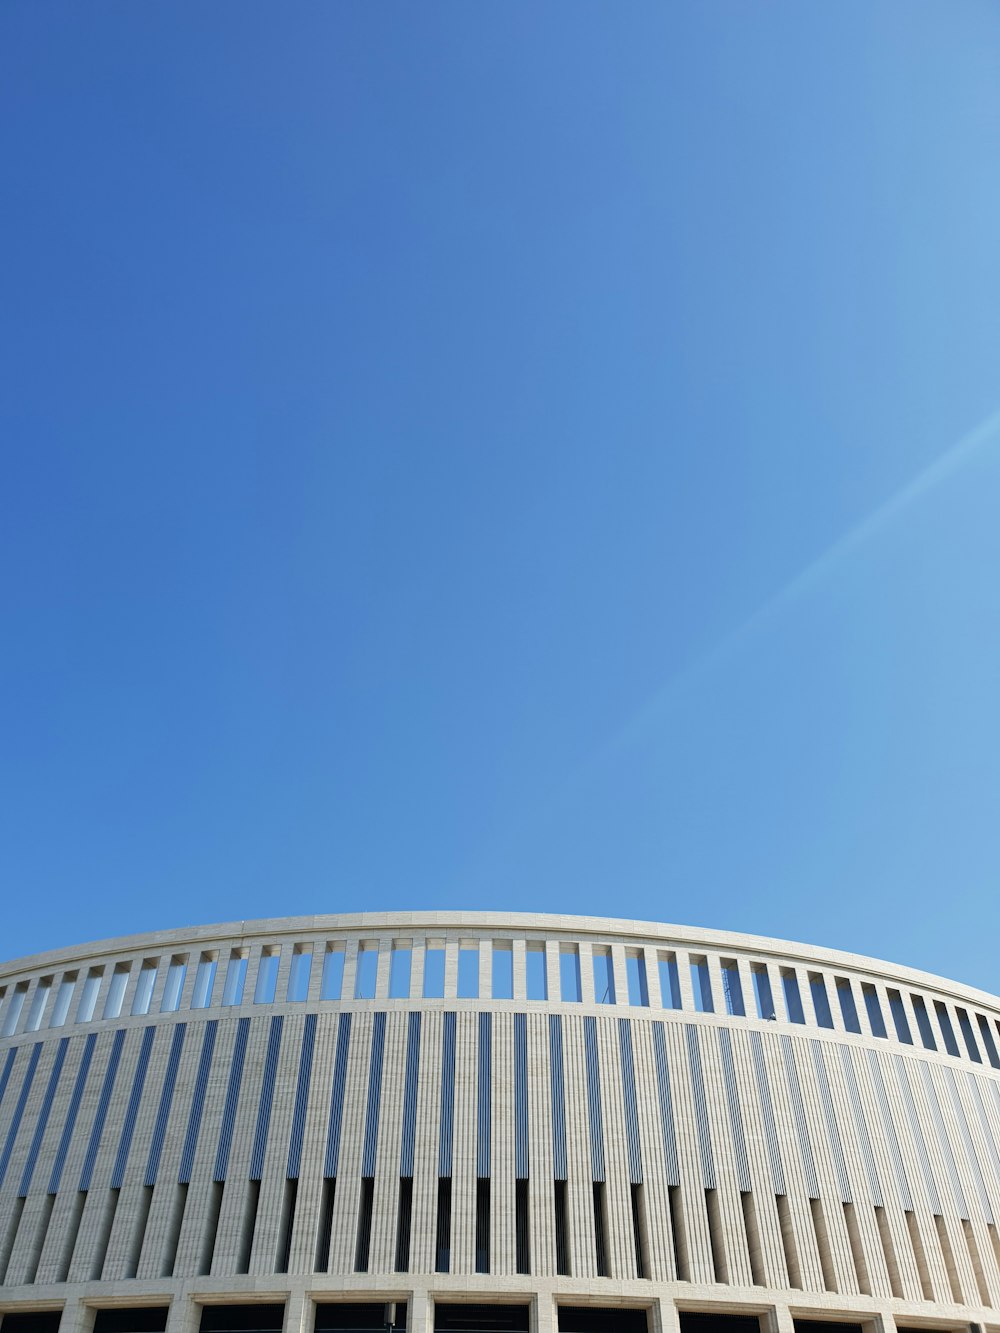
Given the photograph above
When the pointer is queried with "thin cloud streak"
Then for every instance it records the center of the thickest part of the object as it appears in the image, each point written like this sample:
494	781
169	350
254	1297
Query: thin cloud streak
951	461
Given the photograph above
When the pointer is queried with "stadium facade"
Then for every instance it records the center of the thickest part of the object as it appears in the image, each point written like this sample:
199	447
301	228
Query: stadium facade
492	1122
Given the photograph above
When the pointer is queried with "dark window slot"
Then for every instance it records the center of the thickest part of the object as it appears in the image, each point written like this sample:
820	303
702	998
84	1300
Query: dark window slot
594	1319
141	1319
250	1206
211	1228
522	1227
600	1230
692	1322
443	1258
43	1230
289	1201
403	1222
325	1232
242	1318
482	1225
139	1234
638	1231
32	1321
356	1316
562	1234
174	1231
678	1235
104	1235
365	1205
72	1232
454	1318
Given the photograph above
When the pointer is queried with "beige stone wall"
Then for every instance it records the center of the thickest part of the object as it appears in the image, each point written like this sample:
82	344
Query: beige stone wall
818	1171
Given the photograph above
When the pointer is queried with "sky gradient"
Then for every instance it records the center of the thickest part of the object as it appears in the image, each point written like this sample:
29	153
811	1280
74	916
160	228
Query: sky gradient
511	456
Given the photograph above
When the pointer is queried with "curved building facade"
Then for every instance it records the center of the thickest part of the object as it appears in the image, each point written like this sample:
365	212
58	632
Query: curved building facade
492	1123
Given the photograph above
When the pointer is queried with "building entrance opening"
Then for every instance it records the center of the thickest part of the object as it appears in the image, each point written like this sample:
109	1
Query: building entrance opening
360	1316
602	1319
467	1318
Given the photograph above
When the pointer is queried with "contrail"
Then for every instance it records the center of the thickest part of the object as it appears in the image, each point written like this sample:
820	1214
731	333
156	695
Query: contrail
950	462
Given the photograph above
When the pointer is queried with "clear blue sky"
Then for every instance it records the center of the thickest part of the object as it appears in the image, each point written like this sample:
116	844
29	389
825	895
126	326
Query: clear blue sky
425	429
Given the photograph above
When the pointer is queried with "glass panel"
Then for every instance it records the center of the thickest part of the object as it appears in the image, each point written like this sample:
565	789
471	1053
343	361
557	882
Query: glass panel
820	999
144	987
638	992
968	1035
947	1031
332	983
116	991
793	998
204	981
299	974
367	972
701	985
400	966
874	1009
468	972
503	970
267	977
537	981
988	1042
569	975
762	991
38	1002
13	1011
923	1022
64	997
898	1011
604	977
236	978
670	982
173	986
434	972
848	1008
732	987
88	996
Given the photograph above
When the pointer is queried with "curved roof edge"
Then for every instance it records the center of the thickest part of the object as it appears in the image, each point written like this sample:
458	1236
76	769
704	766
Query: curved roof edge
547	922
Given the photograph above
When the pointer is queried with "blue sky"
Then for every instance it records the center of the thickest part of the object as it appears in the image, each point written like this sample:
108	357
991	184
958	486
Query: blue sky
491	456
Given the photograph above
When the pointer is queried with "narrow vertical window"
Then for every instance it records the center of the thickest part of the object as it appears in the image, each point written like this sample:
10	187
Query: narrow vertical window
848	1008
670	982
88	995
400	965
638	991
433	970
820	999
701	985
116	991
569	973
14	1006
204	981
64	997
537	980
332	981
299	973
503	970
366	973
793	998
732	988
38	1002
947	1031
267	976
174	985
923	1022
874	1010
898	1011
236	978
988	1042
968	1035
763	997
468	971
144	986
604	977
